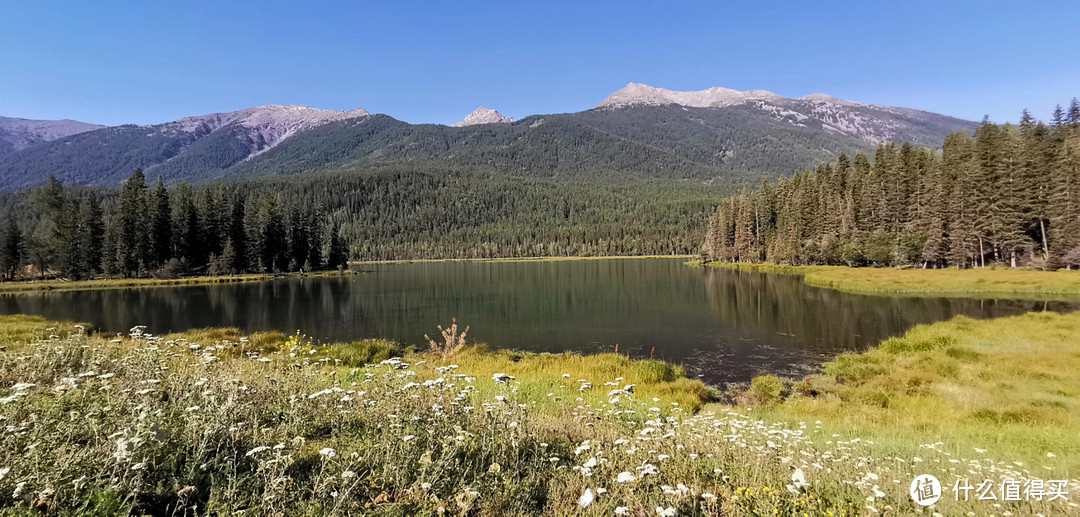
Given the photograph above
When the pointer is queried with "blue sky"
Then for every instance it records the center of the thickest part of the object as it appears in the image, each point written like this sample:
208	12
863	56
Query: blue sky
150	62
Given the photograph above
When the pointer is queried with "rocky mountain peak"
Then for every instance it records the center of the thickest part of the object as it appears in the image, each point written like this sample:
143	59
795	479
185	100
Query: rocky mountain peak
483	115
635	94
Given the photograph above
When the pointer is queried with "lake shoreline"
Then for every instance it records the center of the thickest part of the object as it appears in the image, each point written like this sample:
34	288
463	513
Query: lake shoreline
36	286
985	283
516	259
46	286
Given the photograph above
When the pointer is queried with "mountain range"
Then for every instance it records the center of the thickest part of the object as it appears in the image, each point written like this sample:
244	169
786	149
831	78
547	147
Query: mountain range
639	131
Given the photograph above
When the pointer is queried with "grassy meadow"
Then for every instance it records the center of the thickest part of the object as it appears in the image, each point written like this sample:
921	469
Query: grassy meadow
217	421
982	283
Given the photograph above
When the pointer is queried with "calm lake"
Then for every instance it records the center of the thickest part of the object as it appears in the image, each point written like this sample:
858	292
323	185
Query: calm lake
722	325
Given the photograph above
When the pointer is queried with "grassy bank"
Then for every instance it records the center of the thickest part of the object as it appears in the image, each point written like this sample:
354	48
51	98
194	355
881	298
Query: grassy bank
215	421
988	396
519	259
987	282
33	286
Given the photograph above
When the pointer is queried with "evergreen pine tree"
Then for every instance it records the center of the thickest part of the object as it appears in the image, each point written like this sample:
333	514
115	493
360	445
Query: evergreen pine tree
130	230
11	250
161	226
336	256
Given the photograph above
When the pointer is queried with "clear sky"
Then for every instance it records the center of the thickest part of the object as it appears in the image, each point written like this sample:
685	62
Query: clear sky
154	61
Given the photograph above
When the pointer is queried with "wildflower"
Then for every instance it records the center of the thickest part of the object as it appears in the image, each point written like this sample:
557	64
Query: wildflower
138	466
665	512
586	499
192	408
708	496
4	471
23	386
621	510
798	482
502	378
425	486
408	438
625	477
256	450
348	474
495	468
318	394
328	452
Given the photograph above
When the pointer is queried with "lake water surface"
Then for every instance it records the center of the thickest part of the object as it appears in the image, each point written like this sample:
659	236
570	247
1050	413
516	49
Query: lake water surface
722	325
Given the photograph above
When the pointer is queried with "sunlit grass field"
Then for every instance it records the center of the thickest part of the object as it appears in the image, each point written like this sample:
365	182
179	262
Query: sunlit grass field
1002	388
216	421
985	282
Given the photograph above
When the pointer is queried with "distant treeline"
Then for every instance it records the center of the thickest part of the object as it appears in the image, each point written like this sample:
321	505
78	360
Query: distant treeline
1010	194
321	220
165	232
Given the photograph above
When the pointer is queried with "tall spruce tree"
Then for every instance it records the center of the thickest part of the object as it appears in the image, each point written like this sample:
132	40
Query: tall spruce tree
11	248
130	228
161	226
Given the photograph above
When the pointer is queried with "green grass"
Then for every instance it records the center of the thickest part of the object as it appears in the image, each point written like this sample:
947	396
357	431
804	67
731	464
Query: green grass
981	283
215	421
1009	386
34	286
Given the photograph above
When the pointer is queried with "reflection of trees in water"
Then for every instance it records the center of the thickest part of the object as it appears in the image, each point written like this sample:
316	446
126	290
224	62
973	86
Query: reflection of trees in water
827	320
727	326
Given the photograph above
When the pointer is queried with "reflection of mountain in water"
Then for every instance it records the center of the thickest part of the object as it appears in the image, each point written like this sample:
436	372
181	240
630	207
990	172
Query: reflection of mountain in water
723	325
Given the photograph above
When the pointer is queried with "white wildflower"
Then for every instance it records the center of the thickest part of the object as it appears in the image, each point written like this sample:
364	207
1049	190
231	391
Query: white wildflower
586	499
502	378
257	450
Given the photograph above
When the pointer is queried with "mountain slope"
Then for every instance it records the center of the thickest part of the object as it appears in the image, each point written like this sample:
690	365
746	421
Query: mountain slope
643	132
191	148
871	122
17	134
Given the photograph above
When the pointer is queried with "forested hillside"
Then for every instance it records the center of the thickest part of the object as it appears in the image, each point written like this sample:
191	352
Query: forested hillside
1009	194
320	220
730	143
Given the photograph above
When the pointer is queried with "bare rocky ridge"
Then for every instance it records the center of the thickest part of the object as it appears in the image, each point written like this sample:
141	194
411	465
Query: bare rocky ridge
266	126
872	122
19	133
484	115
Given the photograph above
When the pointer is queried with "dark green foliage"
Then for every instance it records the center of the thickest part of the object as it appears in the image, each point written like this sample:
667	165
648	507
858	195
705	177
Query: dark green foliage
129	226
160	226
11	248
1007	195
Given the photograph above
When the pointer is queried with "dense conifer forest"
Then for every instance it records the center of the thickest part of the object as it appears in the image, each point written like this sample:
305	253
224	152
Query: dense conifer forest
1007	195
320	220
